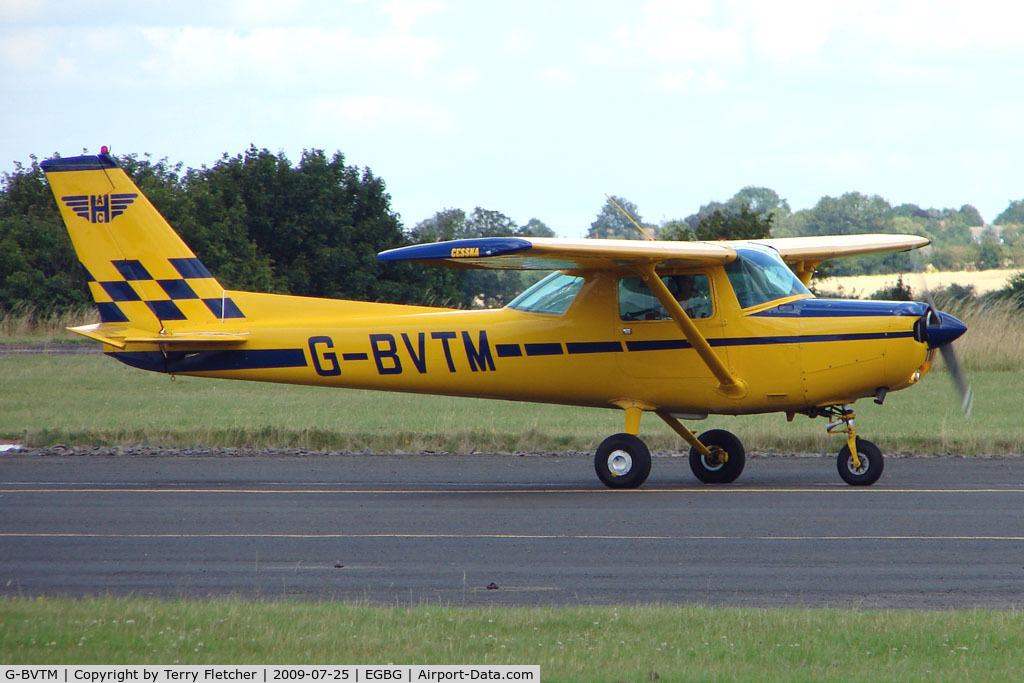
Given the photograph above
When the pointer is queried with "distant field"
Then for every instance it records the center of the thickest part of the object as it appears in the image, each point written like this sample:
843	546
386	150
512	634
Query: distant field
865	285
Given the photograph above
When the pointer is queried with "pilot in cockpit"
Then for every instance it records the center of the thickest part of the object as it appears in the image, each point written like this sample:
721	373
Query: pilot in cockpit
693	292
694	302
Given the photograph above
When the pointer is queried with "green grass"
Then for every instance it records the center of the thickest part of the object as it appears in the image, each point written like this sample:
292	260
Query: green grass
93	400
581	643
26	325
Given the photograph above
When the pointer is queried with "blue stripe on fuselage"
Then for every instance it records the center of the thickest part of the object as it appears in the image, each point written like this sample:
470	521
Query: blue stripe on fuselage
842	308
212	361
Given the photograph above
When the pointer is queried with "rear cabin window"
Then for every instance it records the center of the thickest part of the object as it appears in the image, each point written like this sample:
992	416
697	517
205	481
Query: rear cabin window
553	295
637	302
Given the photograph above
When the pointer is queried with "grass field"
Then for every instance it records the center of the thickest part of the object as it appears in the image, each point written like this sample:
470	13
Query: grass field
572	644
94	400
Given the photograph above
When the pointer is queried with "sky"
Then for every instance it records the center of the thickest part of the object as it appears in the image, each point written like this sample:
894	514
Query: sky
536	108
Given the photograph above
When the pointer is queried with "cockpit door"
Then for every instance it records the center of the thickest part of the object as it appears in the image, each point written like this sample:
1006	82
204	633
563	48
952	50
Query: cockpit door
654	345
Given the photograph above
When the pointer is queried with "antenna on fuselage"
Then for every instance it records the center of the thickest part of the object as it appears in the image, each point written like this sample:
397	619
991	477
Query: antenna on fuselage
630	218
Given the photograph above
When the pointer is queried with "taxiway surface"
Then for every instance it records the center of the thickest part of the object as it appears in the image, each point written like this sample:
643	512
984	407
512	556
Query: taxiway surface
387	529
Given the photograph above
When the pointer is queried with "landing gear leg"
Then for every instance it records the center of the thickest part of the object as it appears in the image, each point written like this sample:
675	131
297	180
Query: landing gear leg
860	462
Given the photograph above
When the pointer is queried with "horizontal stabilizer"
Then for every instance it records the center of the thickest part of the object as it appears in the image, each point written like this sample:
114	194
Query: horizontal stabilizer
121	335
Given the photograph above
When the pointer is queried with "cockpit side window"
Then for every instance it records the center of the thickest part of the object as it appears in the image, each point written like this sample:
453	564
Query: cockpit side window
637	302
758	277
553	295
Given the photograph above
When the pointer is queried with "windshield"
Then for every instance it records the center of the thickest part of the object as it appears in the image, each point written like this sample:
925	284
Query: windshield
552	295
759	275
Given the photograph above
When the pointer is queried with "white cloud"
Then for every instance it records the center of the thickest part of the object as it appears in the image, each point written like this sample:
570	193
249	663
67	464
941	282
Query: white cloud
687	81
13	10
278	57
682	33
980	25
64	69
21	49
517	41
463	79
556	76
373	112
788	30
406	12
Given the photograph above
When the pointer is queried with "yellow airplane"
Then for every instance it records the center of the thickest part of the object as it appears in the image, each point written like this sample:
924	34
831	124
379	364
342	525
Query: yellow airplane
679	329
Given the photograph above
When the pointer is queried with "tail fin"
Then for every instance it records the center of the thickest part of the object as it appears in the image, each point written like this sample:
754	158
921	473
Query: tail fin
144	279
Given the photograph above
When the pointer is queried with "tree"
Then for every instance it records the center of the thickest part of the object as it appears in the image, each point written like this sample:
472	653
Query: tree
757	200
612	224
761	200
39	270
312	229
676	230
898	292
1012	235
851	214
255	220
480	287
1014	290
990	255
745	225
1012	215
535	228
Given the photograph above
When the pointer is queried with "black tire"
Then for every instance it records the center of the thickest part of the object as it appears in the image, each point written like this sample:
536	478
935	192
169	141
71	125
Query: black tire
718	472
622	461
871	464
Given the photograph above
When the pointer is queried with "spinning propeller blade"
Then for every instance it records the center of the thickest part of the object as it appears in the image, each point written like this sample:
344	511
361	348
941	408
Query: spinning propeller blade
963	387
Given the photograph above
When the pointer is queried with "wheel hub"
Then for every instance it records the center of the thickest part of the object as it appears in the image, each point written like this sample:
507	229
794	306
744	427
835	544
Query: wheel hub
619	463
865	465
716	461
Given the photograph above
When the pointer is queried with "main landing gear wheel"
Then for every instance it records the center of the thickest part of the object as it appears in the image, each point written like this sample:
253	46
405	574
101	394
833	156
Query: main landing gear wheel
718	470
871	464
622	461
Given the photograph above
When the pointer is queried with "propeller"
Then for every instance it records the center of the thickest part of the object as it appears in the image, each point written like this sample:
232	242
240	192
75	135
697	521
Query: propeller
938	337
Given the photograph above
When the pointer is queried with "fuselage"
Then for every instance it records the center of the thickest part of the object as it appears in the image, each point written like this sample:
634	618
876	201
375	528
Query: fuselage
792	353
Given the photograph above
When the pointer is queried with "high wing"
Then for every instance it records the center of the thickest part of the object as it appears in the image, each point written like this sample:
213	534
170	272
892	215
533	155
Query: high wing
546	253
805	253
822	248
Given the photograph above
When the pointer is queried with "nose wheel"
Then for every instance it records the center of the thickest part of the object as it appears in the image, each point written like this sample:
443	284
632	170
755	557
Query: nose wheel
865	469
860	462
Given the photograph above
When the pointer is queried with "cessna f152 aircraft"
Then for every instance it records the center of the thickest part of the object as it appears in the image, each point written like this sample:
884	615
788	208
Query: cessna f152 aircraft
678	329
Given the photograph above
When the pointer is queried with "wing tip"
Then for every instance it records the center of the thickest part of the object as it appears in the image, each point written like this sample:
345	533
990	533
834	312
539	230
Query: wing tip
481	247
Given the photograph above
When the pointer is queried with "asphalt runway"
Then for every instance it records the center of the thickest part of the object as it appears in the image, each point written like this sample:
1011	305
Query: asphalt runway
411	529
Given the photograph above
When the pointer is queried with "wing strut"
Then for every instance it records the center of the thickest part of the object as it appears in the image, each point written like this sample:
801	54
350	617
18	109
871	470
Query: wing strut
728	384
805	270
